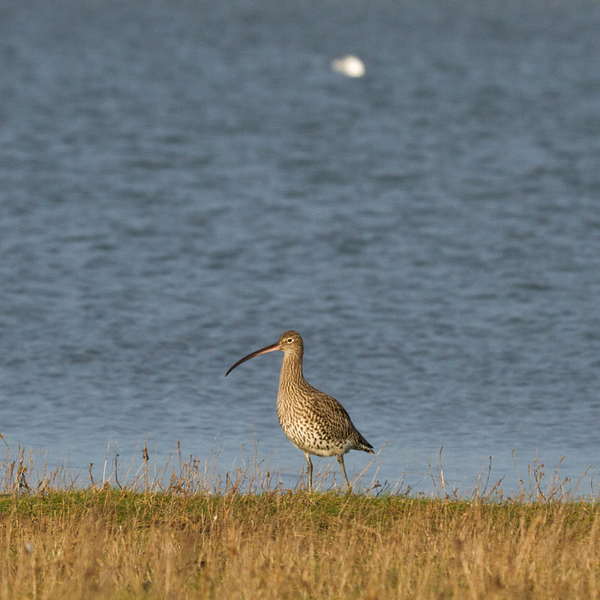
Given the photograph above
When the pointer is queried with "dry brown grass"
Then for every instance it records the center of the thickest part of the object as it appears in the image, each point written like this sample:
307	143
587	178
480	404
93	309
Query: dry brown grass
190	541
116	544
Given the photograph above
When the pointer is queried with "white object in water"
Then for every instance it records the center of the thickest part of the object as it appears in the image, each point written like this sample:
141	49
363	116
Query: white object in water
349	65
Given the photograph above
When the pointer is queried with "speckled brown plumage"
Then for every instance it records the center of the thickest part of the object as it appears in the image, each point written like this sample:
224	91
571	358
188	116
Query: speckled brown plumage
313	421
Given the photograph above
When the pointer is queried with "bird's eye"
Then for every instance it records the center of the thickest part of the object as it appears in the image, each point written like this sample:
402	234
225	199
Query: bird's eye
289	340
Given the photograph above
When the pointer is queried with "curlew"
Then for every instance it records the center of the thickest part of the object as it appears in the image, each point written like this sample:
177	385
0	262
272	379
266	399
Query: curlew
313	421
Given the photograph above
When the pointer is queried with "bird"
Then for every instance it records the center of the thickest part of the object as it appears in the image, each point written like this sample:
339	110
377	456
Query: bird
313	421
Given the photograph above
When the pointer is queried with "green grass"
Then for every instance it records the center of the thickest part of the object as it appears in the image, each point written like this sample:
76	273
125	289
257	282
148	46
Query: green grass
191	534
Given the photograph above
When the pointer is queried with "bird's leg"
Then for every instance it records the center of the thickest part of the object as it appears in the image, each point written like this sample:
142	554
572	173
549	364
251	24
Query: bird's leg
309	464
341	461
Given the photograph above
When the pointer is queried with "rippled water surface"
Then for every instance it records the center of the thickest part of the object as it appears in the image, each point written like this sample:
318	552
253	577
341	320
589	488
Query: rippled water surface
181	182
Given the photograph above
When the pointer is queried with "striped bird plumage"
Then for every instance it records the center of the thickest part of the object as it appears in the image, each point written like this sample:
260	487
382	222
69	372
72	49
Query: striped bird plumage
313	421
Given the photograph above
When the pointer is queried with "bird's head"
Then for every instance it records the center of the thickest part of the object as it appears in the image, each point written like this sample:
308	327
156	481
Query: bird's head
289	343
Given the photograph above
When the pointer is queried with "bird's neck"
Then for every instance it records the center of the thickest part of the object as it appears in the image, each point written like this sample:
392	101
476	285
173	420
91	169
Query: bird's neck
291	371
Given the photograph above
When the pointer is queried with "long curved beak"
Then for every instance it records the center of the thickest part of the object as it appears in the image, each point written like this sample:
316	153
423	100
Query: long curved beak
270	348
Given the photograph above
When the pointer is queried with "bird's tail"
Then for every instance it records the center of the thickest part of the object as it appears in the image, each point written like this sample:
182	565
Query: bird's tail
362	444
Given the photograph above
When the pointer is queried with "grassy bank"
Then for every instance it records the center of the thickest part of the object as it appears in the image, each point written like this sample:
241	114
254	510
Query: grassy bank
105	543
184	532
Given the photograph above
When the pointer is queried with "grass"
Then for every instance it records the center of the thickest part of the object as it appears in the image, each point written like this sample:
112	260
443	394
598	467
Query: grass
189	534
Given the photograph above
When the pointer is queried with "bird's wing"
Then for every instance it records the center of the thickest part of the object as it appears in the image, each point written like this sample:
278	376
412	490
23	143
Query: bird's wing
331	411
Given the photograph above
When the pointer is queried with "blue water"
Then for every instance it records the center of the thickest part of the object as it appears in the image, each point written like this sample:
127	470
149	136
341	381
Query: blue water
181	182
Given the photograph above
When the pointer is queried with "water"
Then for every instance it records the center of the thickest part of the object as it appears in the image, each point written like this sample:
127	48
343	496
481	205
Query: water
181	182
